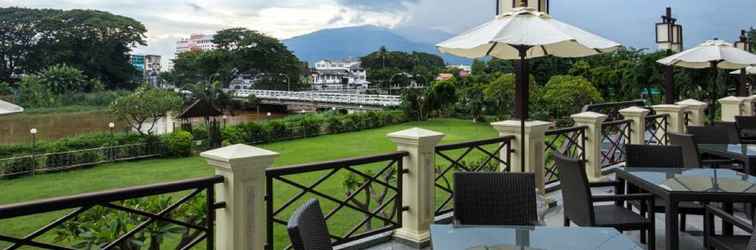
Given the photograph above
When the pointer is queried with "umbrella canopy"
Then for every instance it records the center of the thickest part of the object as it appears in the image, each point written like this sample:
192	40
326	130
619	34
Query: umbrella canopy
749	71
522	34
722	53
9	108
525	26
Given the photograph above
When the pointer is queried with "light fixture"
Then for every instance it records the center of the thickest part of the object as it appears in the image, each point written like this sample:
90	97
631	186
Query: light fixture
743	42
669	34
111	125
33	131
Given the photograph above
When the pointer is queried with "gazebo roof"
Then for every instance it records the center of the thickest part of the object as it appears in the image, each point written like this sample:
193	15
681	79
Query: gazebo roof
199	108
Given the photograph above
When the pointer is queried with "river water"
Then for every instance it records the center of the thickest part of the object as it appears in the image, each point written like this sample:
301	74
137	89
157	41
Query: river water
50	126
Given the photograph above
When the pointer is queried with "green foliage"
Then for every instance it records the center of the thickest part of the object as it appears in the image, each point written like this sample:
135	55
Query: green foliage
62	79
5	88
96	42
501	92
443	94
416	104
178	144
61	85
382	66
145	106
565	95
86	141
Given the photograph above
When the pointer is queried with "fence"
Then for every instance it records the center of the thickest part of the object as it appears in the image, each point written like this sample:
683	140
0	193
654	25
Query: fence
656	129
615	135
40	163
566	141
363	196
473	156
141	221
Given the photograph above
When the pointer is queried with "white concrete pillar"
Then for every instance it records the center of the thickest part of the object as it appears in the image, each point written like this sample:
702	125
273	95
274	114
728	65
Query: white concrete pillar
242	224
676	118
418	185
593	138
731	107
748	109
638	127
696	110
535	162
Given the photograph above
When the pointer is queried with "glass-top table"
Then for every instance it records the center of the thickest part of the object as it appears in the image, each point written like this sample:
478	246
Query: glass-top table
740	152
675	185
450	237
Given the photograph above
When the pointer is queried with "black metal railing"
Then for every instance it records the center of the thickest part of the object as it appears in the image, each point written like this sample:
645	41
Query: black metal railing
40	163
615	134
124	218
688	119
475	156
612	109
656	129
362	196
567	141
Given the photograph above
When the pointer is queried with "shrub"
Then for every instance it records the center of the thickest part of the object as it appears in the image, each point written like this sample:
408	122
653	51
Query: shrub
277	130
333	125
178	144
233	135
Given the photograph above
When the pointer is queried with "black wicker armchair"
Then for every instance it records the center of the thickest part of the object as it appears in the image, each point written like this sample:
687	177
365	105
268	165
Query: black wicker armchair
692	157
746	127
653	156
307	228
579	205
727	242
495	199
719	133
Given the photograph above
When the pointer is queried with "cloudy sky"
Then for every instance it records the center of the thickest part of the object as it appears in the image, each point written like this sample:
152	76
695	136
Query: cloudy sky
627	21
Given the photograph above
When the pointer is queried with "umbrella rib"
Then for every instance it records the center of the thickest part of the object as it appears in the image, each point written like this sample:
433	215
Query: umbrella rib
488	53
545	52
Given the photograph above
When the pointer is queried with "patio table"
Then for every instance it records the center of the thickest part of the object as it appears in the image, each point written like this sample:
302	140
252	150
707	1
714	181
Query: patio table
743	153
675	185
451	237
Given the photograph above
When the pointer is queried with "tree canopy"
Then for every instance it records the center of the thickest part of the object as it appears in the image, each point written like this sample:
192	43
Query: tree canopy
96	42
383	65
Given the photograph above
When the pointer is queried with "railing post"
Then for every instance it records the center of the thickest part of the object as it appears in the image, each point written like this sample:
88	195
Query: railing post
593	140
731	107
638	126
676	118
697	110
242	224
748	105
418	184
535	136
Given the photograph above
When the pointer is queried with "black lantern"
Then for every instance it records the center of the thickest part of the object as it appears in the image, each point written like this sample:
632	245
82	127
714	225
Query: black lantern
669	34
743	42
503	6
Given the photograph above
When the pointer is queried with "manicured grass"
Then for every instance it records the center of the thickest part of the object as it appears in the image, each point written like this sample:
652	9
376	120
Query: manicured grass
316	149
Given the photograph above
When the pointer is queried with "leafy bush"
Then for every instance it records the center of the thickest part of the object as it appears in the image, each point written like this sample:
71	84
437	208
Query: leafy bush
564	95
178	143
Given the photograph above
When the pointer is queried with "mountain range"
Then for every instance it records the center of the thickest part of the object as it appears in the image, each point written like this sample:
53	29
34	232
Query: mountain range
358	41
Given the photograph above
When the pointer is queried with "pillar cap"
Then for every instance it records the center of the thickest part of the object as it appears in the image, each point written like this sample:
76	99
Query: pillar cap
692	103
731	100
415	136
516	125
638	111
239	153
668	108
589	117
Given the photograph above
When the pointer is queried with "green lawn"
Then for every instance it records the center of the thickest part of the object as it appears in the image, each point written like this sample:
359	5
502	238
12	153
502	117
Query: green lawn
322	148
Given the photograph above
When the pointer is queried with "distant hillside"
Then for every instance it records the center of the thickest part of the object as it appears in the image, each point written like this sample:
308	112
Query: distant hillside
354	42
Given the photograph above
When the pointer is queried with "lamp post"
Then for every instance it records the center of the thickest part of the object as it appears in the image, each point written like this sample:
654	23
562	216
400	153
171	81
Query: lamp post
111	153
743	43
669	37
224	120
33	133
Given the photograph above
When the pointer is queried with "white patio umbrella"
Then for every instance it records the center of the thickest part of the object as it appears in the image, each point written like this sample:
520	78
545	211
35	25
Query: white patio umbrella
749	71
522	34
714	54
7	108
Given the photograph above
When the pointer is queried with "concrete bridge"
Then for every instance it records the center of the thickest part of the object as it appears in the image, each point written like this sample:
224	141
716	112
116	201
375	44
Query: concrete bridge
321	99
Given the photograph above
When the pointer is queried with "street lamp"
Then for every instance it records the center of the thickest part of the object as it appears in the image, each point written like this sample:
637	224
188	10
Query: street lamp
111	153
669	37
743	43
33	132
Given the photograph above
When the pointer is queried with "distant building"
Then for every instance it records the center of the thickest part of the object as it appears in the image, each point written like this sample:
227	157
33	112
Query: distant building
149	68
444	76
244	81
195	42
335	75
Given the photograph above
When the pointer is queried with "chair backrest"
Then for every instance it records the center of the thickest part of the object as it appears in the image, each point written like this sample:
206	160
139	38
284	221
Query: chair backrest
576	194
746	126
495	199
691	157
752	242
719	133
307	228
653	156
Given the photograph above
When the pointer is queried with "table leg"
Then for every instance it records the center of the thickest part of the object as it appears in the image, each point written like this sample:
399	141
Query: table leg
727	228
672	234
620	190
748	166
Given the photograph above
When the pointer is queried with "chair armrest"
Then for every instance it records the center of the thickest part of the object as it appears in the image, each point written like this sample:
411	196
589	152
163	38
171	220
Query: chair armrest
605	184
719	161
729	218
623	197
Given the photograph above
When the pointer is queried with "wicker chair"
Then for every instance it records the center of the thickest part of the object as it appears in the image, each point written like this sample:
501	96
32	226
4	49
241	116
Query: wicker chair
714	241
307	228
719	133
691	155
746	127
653	156
495	199
579	208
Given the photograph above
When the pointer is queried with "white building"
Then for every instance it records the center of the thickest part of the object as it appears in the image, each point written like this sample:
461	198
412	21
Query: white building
195	42
148	66
338	75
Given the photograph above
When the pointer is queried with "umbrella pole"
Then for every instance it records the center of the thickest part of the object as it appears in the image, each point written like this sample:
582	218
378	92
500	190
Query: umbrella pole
742	84
522	98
